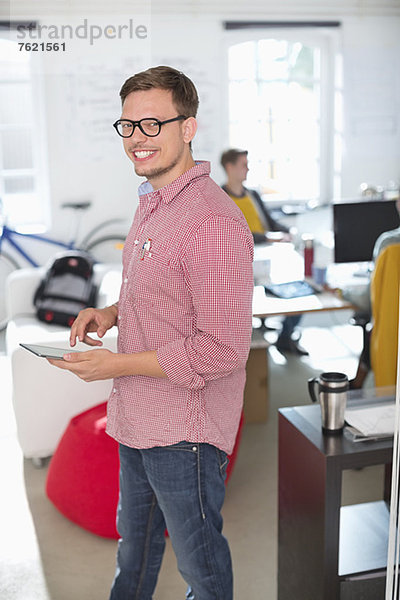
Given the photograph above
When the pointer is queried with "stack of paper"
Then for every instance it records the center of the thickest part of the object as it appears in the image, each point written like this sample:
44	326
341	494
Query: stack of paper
371	422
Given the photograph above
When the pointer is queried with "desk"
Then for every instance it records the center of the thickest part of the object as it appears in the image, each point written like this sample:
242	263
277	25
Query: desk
269	306
325	551
285	264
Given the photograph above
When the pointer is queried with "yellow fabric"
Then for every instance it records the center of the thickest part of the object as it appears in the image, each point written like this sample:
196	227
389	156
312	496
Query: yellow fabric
385	285
249	209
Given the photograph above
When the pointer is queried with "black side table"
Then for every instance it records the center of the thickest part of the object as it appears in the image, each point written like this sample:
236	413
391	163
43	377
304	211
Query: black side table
326	551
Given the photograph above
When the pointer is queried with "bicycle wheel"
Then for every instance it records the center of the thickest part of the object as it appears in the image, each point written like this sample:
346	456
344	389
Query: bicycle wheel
107	249
105	229
7	266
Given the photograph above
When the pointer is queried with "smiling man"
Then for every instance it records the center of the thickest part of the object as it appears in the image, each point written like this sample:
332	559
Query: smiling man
153	152
184	329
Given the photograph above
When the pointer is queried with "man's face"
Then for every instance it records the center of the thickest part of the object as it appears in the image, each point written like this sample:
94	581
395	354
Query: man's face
162	158
238	170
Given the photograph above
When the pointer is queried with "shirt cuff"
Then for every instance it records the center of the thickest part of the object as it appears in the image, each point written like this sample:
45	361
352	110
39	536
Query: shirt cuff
174	361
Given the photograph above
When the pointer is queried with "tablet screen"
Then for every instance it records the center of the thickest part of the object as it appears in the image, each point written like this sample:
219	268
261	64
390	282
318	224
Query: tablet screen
47	351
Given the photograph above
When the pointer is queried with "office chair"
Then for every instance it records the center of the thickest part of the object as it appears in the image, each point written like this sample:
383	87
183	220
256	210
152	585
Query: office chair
385	284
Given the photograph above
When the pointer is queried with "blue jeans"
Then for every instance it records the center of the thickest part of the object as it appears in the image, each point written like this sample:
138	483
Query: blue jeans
181	488
288	326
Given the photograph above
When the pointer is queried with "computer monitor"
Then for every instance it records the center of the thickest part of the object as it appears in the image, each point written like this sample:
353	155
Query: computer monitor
358	224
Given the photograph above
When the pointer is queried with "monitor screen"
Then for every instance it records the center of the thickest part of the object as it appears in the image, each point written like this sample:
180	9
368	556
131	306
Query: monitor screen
358	224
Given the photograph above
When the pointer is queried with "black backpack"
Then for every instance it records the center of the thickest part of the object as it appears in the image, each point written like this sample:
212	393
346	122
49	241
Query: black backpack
66	289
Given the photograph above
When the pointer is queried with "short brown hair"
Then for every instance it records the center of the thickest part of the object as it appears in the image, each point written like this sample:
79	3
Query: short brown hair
184	94
230	156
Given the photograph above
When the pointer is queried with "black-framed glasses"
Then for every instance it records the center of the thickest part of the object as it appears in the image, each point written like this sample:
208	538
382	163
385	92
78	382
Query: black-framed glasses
150	127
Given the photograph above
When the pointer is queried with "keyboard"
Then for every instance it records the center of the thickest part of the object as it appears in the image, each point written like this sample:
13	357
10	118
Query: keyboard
290	289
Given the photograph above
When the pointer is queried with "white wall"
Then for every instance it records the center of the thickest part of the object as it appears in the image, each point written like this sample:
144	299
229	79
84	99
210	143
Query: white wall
371	51
84	164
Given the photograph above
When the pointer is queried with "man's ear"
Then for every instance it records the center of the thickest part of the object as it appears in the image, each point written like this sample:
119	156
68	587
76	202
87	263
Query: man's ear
228	169
189	128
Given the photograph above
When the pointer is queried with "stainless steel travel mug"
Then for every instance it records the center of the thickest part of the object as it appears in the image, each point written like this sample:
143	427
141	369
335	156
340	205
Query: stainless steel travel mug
332	396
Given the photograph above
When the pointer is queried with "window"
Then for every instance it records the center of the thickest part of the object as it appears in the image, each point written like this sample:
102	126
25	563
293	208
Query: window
281	109
23	177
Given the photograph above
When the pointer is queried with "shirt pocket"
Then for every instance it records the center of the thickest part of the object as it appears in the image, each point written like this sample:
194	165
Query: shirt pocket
159	280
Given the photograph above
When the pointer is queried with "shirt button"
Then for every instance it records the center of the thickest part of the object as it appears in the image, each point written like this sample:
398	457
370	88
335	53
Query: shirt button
119	317
126	280
114	390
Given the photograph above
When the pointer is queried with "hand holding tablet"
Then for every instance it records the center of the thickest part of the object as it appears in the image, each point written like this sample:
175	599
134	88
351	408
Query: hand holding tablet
89	365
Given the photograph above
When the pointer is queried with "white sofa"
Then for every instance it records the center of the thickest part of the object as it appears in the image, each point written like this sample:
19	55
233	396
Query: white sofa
44	397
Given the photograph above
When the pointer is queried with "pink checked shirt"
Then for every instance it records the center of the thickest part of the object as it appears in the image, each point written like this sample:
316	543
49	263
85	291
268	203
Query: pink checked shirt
186	292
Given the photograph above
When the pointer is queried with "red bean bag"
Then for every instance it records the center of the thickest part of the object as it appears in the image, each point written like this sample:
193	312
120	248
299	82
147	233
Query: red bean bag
82	480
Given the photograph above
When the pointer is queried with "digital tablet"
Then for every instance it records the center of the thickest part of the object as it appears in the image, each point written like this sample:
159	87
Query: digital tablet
290	289
47	351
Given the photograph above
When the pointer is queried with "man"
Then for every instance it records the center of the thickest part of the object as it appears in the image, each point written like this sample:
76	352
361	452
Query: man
261	225
184	319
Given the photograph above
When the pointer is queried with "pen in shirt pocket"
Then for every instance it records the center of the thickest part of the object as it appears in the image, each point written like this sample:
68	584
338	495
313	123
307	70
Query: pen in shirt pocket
145	248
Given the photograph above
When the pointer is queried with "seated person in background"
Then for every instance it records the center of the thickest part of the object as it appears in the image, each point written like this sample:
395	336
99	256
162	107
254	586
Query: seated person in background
261	224
259	220
361	298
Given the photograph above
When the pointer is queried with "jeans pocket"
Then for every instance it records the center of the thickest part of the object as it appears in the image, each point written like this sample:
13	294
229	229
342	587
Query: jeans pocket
223	460
184	446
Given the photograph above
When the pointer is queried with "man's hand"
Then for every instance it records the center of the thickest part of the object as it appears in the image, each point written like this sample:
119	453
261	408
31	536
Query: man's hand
90	320
93	365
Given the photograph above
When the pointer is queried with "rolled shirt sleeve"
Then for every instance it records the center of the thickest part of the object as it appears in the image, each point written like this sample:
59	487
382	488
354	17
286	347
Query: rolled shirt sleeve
218	270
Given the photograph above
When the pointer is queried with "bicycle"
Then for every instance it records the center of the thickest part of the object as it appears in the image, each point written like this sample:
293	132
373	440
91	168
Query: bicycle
105	248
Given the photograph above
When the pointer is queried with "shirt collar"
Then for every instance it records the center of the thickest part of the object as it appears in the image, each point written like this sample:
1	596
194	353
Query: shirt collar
170	191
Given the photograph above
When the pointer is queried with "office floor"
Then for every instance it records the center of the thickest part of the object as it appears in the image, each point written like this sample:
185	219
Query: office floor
45	557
